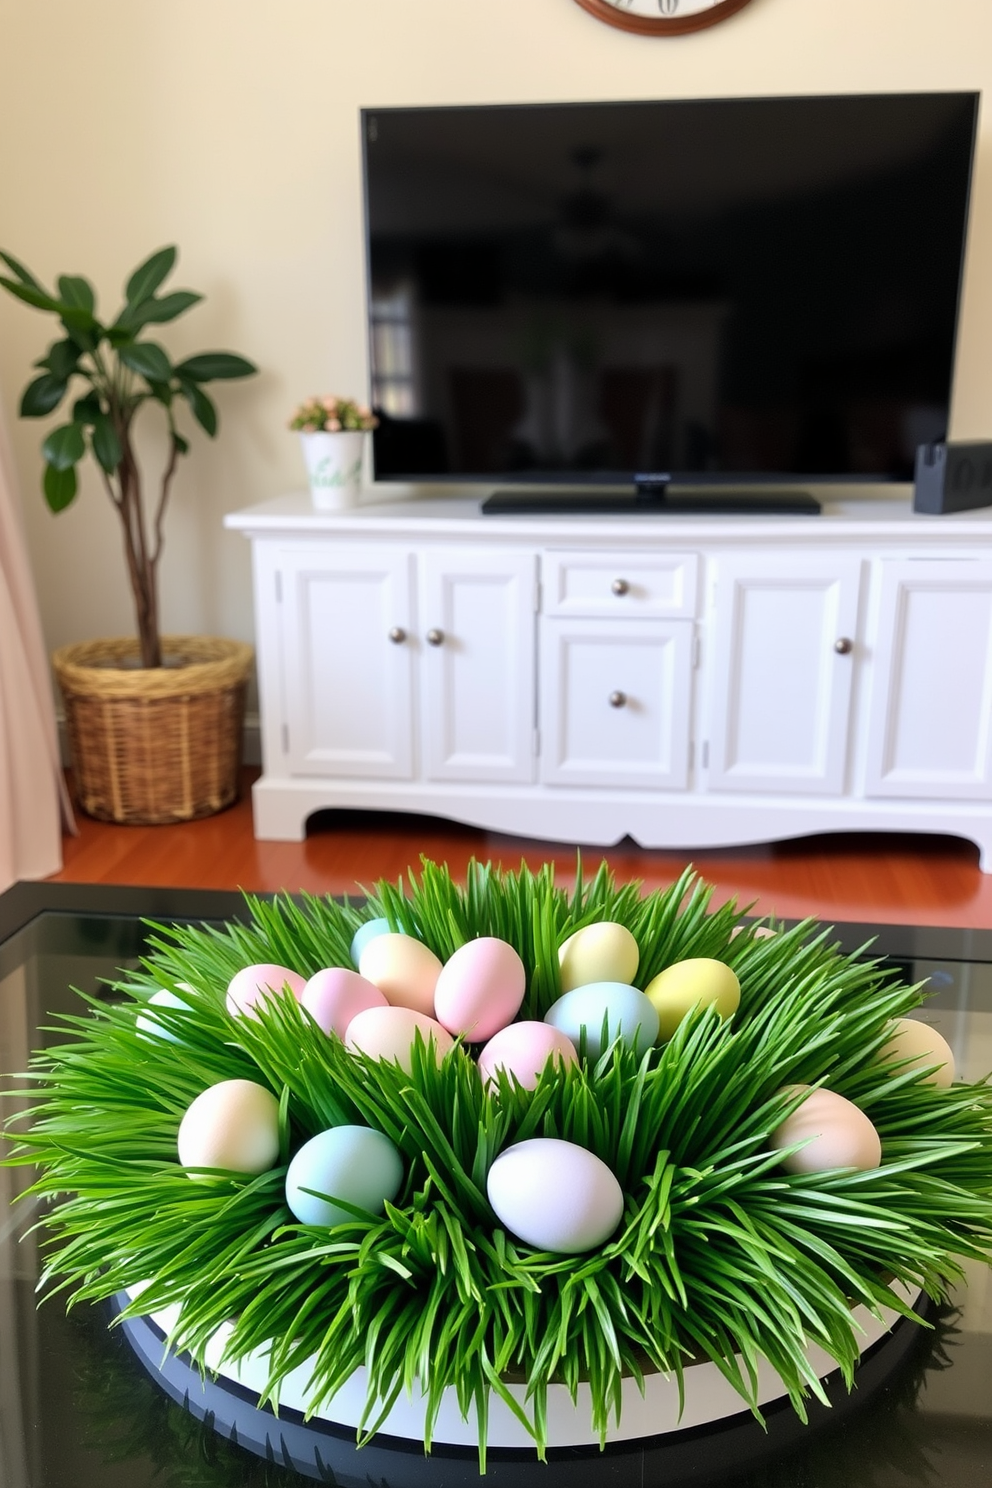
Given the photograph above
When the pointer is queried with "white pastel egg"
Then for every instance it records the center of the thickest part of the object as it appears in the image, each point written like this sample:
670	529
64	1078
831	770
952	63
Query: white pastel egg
523	1049
480	988
923	1046
626	1013
836	1134
153	1027
254	985
232	1125
335	995
391	1033
367	931
555	1195
604	952
404	970
697	982
350	1163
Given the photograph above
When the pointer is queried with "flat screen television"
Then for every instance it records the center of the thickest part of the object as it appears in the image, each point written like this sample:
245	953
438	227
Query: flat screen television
727	290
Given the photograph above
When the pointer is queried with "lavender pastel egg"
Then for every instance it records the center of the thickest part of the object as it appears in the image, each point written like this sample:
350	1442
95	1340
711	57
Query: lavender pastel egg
335	995
254	985
404	970
353	1163
391	1033
555	1195
628	1016
480	988
523	1050
366	932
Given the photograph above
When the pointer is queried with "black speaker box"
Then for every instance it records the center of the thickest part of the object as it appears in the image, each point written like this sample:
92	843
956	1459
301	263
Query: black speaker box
953	477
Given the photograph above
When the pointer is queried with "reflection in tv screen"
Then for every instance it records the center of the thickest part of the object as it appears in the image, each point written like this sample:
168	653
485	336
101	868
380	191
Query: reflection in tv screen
741	286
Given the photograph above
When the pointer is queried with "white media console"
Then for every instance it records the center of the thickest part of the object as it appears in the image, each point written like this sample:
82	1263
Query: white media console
688	681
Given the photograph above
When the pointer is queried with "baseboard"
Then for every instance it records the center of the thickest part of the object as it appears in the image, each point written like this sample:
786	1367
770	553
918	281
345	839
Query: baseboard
251	742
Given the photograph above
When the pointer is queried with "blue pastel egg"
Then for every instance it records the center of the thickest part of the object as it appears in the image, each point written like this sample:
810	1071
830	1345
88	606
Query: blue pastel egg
366	932
628	1016
352	1163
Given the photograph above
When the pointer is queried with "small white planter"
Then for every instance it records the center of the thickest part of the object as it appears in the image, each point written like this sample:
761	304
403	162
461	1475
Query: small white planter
334	466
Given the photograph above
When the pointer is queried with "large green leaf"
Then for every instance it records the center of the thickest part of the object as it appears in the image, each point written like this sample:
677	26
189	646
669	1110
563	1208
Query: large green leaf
31	296
64	446
78	318
62	359
211	366
156	311
148	276
148	359
20	272
59	487
106	445
77	292
203	409
42	395
87	410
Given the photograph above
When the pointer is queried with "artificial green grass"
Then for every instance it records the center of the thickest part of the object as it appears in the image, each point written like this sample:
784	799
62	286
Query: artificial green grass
720	1254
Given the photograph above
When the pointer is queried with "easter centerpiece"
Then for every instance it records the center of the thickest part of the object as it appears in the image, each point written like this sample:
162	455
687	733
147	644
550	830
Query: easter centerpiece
506	1165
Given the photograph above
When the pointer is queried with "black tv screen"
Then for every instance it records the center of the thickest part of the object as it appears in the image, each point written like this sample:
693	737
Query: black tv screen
762	286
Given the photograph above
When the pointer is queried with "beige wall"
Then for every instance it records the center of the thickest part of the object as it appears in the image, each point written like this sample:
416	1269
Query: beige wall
231	128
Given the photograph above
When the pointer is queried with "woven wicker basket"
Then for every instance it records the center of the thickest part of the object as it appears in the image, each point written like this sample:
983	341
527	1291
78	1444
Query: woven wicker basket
156	745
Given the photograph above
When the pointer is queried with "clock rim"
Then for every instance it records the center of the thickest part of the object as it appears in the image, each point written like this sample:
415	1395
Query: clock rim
662	25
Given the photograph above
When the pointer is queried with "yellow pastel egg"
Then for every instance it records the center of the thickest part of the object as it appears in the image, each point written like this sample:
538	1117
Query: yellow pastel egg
604	952
404	970
233	1125
835	1132
922	1044
698	982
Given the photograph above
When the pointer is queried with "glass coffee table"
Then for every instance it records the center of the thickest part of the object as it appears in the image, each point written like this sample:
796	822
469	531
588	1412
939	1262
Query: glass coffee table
77	1407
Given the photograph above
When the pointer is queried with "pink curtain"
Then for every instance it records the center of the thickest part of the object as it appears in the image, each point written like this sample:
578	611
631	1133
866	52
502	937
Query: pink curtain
33	803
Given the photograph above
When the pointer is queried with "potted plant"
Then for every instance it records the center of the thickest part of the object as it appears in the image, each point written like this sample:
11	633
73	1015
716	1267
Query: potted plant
331	431
154	722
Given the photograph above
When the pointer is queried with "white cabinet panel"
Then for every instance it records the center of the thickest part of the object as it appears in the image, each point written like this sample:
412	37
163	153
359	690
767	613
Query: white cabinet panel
615	702
348	686
931	705
780	694
620	584
477	629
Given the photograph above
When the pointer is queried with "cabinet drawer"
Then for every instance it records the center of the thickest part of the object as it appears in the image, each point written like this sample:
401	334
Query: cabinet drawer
619	583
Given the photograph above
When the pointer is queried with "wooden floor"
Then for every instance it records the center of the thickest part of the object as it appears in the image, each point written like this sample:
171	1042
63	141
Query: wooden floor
892	879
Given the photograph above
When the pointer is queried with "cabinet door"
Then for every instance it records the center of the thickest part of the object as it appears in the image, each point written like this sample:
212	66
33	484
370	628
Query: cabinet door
347	706
477	643
615	702
931	700
780	687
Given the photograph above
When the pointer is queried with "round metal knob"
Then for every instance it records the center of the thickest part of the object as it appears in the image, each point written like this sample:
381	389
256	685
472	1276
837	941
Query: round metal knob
618	699
397	635
435	638
843	646
620	586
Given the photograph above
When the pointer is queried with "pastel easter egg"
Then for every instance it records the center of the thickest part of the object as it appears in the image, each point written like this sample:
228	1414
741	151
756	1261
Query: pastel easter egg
153	1027
335	995
404	970
628	1013
696	982
353	1163
604	952
923	1046
555	1195
366	932
523	1049
837	1134
480	988
391	1032
234	1125
254	985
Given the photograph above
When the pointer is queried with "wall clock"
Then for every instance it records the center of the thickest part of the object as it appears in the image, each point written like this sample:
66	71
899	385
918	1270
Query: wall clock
662	17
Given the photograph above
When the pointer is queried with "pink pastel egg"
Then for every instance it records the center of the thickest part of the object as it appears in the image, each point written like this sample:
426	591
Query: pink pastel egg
253	985
835	1132
480	988
523	1050
335	995
390	1033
